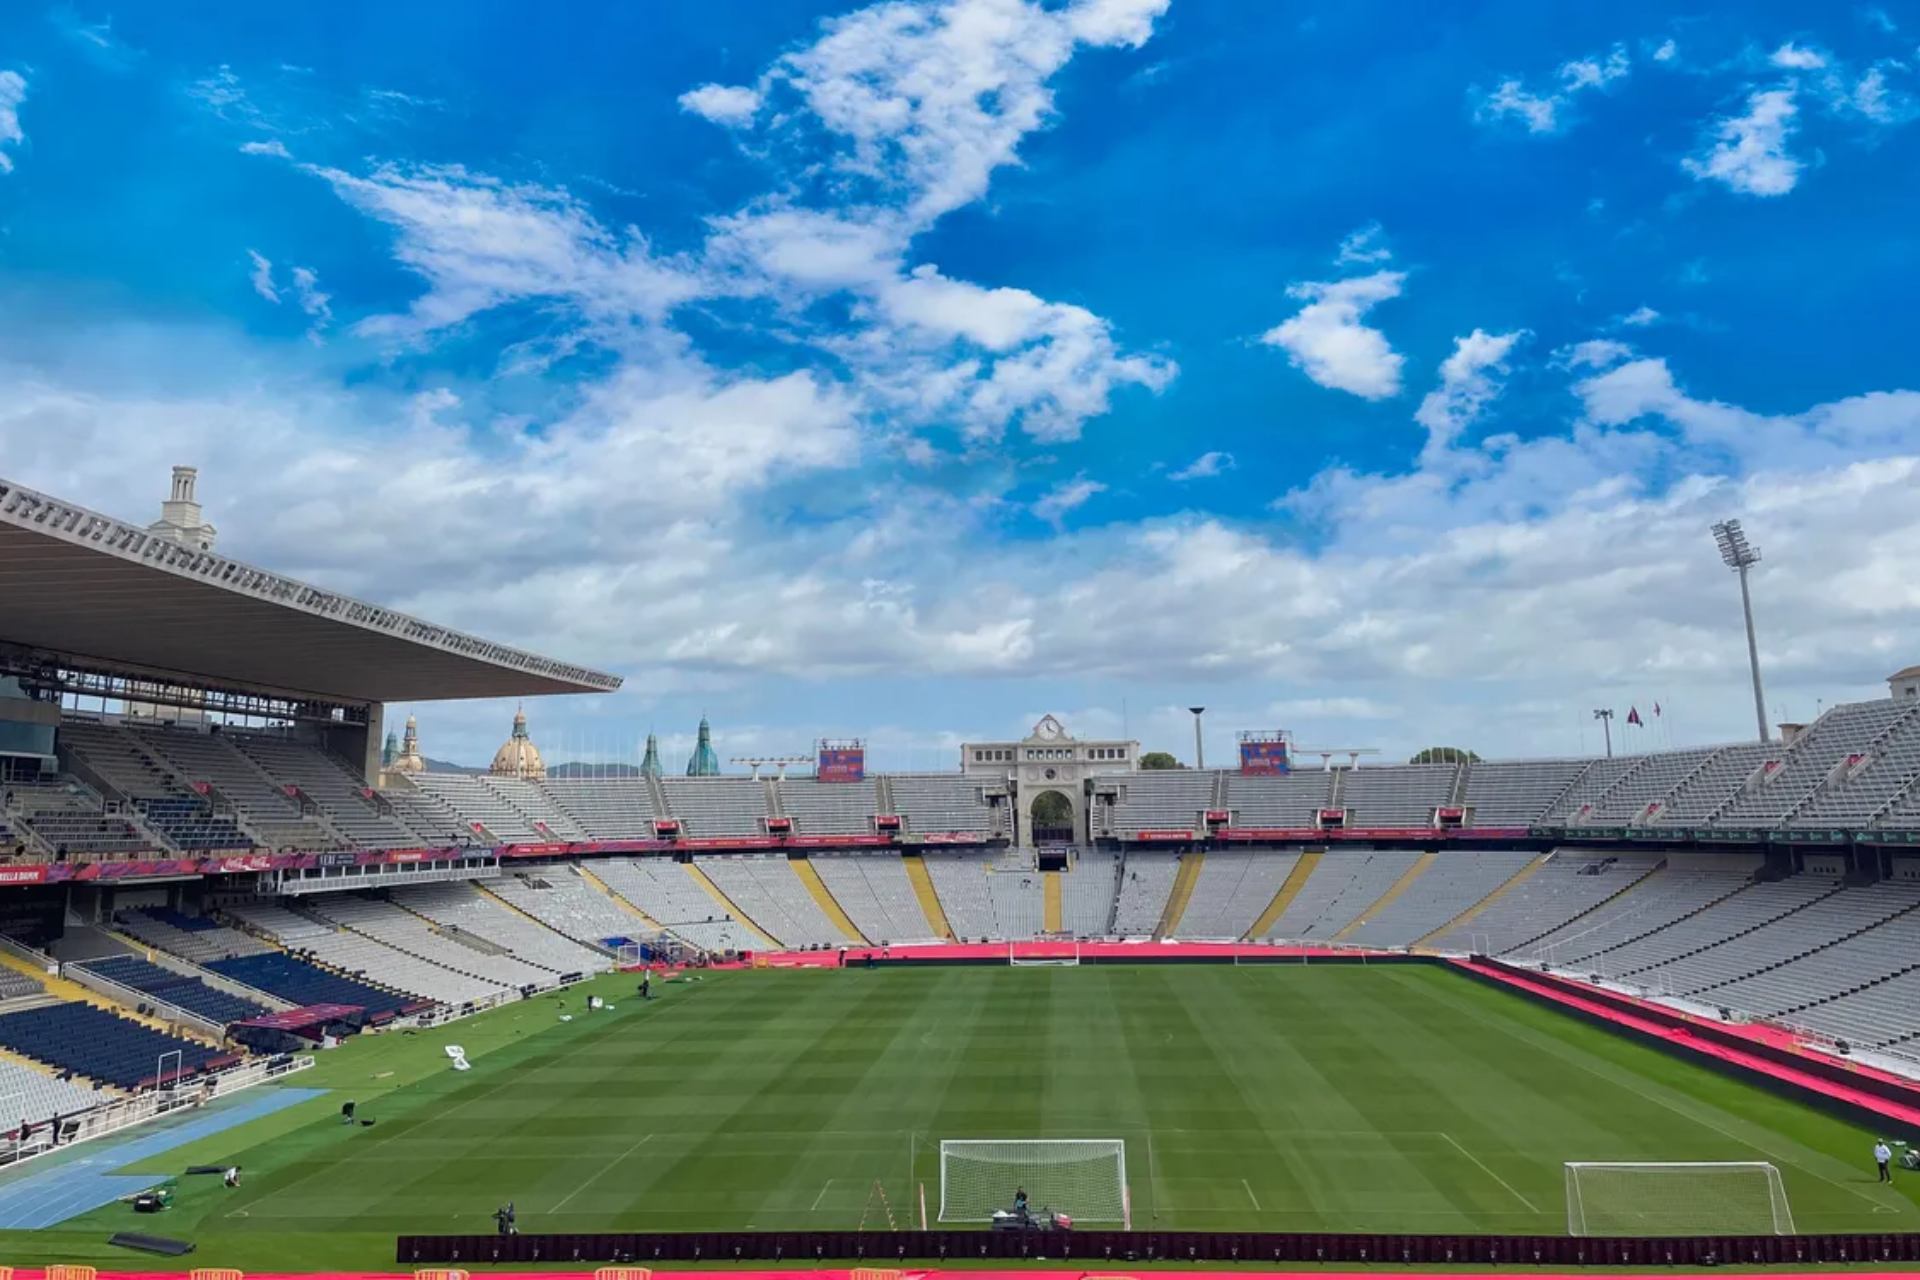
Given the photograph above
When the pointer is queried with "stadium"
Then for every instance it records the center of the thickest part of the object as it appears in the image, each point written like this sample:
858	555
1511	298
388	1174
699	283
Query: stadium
274	992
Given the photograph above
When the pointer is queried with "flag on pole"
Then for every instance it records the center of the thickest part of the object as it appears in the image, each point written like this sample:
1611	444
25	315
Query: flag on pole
1633	716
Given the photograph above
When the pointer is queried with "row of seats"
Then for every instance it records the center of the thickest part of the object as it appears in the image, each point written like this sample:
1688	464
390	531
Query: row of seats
178	990
302	983
103	1046
770	894
877	896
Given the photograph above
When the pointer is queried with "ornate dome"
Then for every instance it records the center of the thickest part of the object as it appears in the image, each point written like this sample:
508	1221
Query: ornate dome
518	757
409	759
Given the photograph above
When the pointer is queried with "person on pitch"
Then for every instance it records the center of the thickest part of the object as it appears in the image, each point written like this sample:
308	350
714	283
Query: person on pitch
1020	1203
1883	1158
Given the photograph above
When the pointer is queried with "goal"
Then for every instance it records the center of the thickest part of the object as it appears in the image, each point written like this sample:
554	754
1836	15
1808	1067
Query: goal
1042	954
1085	1178
1704	1198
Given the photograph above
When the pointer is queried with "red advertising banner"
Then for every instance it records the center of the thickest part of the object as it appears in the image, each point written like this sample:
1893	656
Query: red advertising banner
1265	755
841	764
23	875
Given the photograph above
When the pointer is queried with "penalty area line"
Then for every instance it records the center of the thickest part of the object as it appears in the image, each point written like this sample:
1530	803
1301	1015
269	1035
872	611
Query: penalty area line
1490	1173
595	1176
1251	1196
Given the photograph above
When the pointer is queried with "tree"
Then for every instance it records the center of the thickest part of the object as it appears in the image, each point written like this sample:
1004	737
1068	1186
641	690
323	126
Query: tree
1159	760
1051	809
1443	755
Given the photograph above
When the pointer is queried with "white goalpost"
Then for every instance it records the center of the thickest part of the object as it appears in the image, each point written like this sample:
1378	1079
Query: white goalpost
1084	1178
1680	1198
1018	961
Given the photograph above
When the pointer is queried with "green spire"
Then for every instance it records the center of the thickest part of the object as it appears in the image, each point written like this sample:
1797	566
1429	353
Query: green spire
391	749
650	766
703	763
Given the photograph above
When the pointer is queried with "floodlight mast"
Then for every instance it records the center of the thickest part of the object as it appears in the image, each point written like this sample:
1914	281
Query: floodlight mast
1199	748
1740	555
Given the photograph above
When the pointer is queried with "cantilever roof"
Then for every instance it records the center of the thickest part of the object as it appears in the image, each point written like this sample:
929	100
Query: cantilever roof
87	587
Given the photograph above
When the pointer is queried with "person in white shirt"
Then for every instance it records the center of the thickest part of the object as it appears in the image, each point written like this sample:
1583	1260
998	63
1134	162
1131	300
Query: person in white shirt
1883	1156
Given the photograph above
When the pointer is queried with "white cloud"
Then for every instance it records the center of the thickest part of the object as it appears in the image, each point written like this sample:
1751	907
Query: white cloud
1364	247
1640	317
1749	153
1596	353
1795	58
1469	382
1874	98
1541	111
730	105
261	276
317	305
1068	495
1212	463
1667	51
13	91
271	147
1328	343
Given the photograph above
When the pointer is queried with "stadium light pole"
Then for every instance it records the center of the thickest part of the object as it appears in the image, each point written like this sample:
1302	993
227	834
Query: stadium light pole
1605	716
1740	555
1199	750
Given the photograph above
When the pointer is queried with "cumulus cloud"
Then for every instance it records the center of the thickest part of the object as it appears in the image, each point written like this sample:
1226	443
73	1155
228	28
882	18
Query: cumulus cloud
1068	495
730	105
1667	51
13	91
1327	341
1640	317
1542	110
1469	382
317	305
271	147
1364	246
1595	353
1795	58
1212	463
1748	153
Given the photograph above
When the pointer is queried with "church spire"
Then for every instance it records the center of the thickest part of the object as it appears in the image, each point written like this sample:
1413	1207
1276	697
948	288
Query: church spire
704	762
650	764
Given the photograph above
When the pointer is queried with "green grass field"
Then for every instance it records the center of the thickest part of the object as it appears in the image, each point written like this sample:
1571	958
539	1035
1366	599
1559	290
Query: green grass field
1340	1098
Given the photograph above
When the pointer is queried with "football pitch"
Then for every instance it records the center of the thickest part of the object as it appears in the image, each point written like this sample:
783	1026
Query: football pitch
1340	1098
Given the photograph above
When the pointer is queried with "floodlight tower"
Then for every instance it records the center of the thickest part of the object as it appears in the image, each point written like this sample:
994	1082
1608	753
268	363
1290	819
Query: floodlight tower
1740	556
1605	716
1199	750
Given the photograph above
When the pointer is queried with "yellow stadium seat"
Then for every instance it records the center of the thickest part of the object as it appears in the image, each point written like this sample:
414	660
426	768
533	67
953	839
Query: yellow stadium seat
623	1273
216	1273
61	1271
440	1273
874	1273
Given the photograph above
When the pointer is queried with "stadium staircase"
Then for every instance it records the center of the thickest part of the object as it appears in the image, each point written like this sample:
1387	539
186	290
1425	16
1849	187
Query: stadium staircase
1610	899
618	901
922	881
1289	890
1394	890
657	792
1183	882
1337	789
823	897
883	796
1457	798
1795	909
1219	800
1741	887
728	908
1467	917
1052	897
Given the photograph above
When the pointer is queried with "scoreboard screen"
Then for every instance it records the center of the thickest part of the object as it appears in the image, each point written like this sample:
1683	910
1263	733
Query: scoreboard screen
841	764
1265	756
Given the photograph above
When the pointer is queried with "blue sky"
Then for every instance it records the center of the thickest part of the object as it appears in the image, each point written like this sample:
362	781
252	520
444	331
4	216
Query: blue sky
911	370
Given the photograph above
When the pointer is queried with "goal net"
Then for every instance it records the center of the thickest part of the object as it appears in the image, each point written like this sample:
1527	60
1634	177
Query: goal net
1085	1178
1023	955
1743	1198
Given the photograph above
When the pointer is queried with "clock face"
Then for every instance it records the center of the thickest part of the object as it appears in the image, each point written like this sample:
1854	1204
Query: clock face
1049	729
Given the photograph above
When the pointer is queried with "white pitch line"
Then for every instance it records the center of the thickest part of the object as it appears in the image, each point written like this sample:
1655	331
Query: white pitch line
602	1169
1490	1173
1251	1196
824	1188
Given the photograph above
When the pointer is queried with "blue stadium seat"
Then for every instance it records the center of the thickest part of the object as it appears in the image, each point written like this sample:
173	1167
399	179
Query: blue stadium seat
175	989
103	1046
294	979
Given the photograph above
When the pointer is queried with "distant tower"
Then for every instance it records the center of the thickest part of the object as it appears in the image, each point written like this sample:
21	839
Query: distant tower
410	760
389	750
517	756
180	518
703	763
650	766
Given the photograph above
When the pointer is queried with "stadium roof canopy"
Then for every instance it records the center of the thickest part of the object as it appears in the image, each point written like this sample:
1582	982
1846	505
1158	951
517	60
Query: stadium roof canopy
95	590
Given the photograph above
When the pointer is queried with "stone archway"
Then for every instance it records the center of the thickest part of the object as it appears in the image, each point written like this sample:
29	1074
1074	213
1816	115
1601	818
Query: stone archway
1052	816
